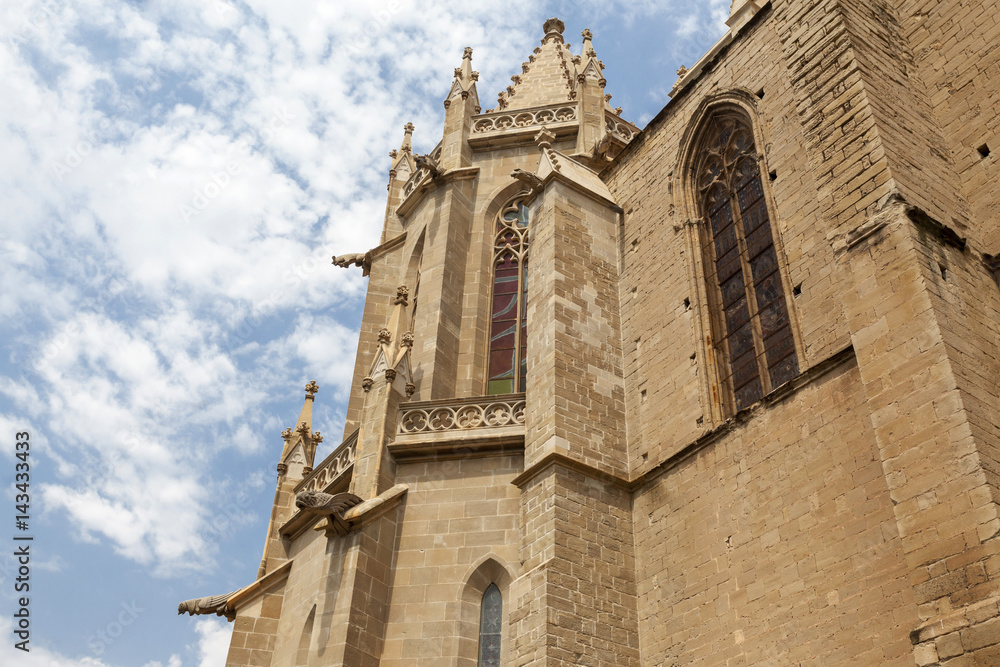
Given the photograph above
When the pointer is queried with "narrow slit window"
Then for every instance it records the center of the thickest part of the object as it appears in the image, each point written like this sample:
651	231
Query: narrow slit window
508	325
752	333
490	627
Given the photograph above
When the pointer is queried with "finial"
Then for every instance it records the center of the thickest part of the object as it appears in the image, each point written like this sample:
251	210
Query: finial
544	138
553	30
407	340
402	295
682	70
311	389
287	433
317	438
303	429
467	54
384	336
586	34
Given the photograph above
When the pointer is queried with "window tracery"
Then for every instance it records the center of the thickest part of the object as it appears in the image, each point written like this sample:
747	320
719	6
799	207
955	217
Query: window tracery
508	329
490	627
752	331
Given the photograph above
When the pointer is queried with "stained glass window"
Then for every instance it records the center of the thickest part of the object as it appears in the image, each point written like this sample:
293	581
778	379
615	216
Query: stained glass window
753	334
508	329
490	627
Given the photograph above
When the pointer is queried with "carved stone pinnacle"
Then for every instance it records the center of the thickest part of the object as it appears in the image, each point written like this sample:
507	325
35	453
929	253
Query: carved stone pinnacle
317	437
467	53
303	429
312	388
407	340
384	336
408	128
287	433
402	295
586	34
554	27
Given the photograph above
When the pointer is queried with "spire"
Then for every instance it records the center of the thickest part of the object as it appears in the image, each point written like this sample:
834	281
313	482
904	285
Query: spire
460	105
547	77
589	89
301	436
401	167
401	163
464	84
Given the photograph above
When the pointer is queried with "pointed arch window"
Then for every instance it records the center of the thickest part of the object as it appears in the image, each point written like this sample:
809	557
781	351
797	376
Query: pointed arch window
508	330
490	627
752	331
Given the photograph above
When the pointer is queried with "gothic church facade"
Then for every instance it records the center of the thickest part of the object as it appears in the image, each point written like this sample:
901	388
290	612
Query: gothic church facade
723	391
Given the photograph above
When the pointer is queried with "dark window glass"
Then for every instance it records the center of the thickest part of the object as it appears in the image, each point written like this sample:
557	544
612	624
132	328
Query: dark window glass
490	627
753	339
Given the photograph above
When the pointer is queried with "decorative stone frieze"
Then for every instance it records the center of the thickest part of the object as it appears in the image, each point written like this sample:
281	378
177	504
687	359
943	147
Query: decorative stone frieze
333	467
503	121
482	414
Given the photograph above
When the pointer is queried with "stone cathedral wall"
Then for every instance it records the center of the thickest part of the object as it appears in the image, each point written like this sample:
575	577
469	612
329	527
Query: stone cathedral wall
776	544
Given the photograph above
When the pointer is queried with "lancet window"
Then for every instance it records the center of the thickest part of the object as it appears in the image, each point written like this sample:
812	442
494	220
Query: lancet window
752	332
508	330
490	627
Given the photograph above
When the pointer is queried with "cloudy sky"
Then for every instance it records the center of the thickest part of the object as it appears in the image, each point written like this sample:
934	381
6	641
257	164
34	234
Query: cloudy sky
175	176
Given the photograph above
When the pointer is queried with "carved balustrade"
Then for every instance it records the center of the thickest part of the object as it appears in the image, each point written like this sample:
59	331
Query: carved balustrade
620	129
523	118
421	174
483	412
333	467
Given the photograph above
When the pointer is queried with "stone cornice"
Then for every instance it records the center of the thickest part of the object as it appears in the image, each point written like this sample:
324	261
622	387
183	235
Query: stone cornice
266	583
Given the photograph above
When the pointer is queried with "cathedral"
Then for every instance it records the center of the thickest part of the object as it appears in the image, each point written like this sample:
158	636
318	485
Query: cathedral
721	391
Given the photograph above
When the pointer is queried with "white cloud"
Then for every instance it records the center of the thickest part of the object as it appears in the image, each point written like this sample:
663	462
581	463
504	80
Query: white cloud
213	642
37	656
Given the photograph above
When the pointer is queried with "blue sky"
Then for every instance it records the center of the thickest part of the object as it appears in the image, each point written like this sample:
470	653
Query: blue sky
176	175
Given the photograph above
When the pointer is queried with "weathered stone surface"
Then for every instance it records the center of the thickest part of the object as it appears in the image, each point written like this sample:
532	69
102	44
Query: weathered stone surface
627	512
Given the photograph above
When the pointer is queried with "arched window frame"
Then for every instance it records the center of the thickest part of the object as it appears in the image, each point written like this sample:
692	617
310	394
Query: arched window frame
489	571
717	391
510	247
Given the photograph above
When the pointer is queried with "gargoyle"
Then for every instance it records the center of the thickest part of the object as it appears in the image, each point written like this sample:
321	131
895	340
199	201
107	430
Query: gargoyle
428	163
317	502
215	604
531	180
330	506
602	146
362	259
